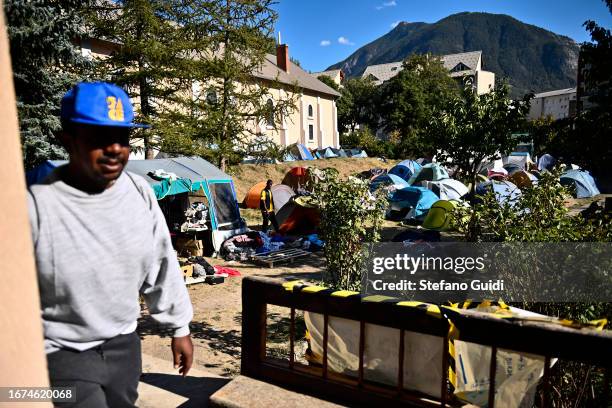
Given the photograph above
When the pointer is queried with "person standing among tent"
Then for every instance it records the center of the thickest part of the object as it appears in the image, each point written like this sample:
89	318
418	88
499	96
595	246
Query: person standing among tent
266	205
100	241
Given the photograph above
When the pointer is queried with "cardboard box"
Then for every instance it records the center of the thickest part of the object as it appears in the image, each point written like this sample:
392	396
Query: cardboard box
187	270
189	247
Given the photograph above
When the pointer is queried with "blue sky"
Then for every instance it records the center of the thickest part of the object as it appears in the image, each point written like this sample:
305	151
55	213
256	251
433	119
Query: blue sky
322	32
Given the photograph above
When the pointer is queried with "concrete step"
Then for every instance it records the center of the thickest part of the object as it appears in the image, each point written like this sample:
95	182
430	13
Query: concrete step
162	386
245	392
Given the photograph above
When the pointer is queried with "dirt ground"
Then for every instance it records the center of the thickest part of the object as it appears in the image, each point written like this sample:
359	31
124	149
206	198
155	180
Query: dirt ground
216	324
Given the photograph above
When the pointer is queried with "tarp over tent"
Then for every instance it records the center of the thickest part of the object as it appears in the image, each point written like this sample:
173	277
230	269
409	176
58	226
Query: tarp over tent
387	179
582	181
447	189
405	169
429	172
419	199
504	190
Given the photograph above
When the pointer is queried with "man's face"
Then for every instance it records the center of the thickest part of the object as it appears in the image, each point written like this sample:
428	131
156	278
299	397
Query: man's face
100	152
269	184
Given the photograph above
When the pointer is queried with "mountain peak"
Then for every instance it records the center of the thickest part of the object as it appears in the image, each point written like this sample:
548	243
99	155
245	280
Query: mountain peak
529	57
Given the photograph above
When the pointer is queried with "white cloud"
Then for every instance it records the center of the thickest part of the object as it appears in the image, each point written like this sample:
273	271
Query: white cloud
345	41
395	24
324	43
391	3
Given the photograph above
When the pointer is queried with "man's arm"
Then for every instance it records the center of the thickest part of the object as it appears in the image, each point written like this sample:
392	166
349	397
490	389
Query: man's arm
262	201
165	292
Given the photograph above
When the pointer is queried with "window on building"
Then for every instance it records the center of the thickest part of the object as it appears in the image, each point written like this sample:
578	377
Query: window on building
310	132
460	67
270	112
310	113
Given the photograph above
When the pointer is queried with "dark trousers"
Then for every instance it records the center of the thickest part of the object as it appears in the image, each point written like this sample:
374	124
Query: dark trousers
105	376
269	216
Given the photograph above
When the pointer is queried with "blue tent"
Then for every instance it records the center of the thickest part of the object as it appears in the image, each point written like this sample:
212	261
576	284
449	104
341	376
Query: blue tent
419	199
300	152
38	174
387	179
546	162
582	181
339	152
429	172
326	153
505	191
405	169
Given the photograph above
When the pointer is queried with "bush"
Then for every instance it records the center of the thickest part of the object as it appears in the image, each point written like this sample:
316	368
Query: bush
350	216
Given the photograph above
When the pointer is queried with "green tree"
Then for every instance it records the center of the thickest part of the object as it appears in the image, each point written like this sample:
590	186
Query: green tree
151	58
474	129
410	100
232	100
329	82
45	64
356	105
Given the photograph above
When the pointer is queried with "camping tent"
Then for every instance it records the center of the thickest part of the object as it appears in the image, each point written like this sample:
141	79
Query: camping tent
387	179
447	189
281	194
429	172
38	174
251	200
405	169
546	162
298	215
504	190
521	159
497	173
199	175
356	153
296	177
440	215
419	199
523	179
582	181
300	152
512	168
326	153
339	152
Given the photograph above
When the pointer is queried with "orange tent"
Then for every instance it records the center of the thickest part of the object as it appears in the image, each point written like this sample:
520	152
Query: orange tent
251	200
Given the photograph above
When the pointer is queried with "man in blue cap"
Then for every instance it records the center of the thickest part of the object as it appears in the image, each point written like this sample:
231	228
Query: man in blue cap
100	241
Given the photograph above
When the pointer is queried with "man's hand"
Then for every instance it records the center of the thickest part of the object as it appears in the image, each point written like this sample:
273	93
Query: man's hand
182	351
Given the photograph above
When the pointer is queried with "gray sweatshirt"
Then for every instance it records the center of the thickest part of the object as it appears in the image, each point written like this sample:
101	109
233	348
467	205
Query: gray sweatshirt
95	253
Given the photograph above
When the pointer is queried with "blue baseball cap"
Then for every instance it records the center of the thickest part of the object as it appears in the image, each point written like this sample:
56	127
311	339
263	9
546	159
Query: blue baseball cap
100	104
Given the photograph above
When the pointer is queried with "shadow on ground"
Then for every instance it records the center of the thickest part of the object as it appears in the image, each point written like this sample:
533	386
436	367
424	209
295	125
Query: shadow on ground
197	389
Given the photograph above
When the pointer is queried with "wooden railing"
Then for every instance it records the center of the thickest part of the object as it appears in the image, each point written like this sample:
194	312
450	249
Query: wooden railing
543	339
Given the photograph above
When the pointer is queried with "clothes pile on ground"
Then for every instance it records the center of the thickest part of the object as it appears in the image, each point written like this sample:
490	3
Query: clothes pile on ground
243	247
196	270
